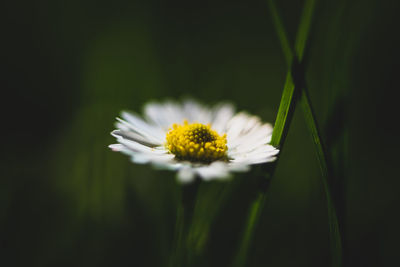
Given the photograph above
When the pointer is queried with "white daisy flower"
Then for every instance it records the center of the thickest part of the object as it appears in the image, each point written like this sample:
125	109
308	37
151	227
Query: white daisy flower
194	140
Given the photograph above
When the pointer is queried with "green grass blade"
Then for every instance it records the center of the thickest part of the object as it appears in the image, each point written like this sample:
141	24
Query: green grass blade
252	221
284	116
280	30
285	113
304	29
288	101
335	238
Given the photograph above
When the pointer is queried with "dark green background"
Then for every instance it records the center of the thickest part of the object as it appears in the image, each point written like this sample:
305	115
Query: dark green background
71	66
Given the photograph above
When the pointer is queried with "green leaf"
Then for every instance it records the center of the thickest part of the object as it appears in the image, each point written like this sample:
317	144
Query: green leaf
288	101
252	221
284	116
281	128
280	30
285	113
304	28
335	238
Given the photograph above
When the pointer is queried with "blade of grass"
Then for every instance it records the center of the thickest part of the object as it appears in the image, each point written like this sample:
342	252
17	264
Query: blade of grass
280	30
335	238
285	113
288	100
334	232
282	123
304	28
253	218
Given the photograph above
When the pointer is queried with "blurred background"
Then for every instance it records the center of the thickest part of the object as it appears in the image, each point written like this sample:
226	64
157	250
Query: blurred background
71	66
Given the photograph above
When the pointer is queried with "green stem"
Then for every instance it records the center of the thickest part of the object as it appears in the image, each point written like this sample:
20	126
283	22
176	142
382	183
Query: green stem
252	221
205	214
280	30
181	255
285	113
284	116
304	28
176	258
334	232
335	238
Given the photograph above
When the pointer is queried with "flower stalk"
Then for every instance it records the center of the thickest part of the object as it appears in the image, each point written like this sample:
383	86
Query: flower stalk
181	255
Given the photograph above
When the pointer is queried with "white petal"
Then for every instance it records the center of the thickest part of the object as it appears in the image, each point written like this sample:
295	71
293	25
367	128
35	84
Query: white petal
255	159
167	165
136	147
186	175
248	138
221	115
138	122
155	135
164	161
255	138
195	112
243	127
235	126
216	170
165	114
139	158
116	147
267	150
251	148
240	125
238	167
121	148
133	136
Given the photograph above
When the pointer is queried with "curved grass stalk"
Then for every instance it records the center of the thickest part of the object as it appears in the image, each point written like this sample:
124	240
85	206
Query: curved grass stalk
335	238
252	221
284	116
334	232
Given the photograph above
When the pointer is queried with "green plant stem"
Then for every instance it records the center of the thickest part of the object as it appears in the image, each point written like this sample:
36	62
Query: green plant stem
285	113
205	214
335	238
176	259
181	255
284	116
304	28
334	232
280	30
252	221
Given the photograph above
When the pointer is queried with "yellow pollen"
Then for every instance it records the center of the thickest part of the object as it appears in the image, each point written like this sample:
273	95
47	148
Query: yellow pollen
196	142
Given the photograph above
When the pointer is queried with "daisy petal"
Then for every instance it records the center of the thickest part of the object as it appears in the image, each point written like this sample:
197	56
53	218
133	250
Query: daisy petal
186	175
116	147
222	114
136	147
147	133
164	115
130	135
196	112
194	148
216	170
138	122
238	167
164	161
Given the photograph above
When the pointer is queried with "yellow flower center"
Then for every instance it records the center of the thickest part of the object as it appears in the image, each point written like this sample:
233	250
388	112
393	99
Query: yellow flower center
196	142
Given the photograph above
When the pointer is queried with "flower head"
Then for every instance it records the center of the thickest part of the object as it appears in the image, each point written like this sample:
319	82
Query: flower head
194	140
